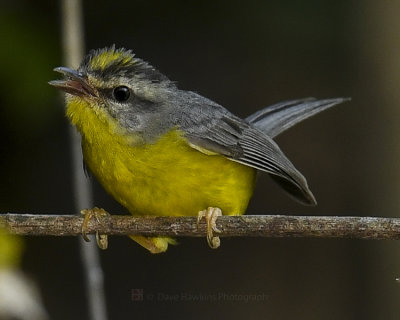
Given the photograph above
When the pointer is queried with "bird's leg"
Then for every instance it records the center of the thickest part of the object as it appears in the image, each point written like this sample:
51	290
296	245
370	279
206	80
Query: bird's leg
210	215
99	214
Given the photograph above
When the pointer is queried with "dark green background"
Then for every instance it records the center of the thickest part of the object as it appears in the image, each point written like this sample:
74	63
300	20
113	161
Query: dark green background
244	55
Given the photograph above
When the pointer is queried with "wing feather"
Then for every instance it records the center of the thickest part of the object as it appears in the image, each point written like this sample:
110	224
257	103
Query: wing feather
221	132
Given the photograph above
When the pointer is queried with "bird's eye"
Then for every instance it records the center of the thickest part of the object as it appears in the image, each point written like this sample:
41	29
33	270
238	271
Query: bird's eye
121	93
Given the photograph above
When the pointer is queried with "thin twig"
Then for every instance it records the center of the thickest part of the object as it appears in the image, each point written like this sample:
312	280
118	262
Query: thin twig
73	49
277	226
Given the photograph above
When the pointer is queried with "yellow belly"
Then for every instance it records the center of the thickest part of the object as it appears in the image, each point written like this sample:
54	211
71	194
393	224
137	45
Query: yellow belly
166	178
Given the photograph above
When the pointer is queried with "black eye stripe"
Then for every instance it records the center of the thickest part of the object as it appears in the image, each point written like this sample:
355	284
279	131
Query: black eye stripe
121	93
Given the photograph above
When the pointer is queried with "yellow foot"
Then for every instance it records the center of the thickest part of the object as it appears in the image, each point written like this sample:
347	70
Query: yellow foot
210	215
99	214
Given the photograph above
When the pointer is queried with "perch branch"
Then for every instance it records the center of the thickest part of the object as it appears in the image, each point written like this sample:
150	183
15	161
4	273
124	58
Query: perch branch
277	226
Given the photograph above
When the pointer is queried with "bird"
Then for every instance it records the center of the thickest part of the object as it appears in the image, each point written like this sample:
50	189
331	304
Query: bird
163	151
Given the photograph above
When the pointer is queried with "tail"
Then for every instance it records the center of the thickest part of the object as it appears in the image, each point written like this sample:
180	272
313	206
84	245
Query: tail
154	244
279	117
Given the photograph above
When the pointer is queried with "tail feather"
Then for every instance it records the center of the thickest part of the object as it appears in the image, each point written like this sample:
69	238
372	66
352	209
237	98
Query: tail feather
279	117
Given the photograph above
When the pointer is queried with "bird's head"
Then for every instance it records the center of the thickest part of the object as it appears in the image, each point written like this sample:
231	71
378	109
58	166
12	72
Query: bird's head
114	81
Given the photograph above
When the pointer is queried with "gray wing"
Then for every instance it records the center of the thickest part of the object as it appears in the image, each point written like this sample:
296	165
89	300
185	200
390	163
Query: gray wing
279	117
213	128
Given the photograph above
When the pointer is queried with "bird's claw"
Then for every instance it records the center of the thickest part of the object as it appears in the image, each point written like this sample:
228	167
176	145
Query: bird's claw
211	215
99	214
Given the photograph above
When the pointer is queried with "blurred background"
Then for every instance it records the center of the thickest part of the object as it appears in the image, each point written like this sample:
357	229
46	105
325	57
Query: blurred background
245	56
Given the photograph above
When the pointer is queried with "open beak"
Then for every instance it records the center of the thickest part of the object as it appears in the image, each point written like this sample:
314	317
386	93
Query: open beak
75	83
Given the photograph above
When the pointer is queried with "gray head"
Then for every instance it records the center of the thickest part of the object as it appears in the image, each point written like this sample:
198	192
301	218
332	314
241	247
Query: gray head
127	88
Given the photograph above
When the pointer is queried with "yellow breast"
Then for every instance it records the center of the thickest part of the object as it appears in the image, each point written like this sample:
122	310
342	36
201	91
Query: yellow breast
167	177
